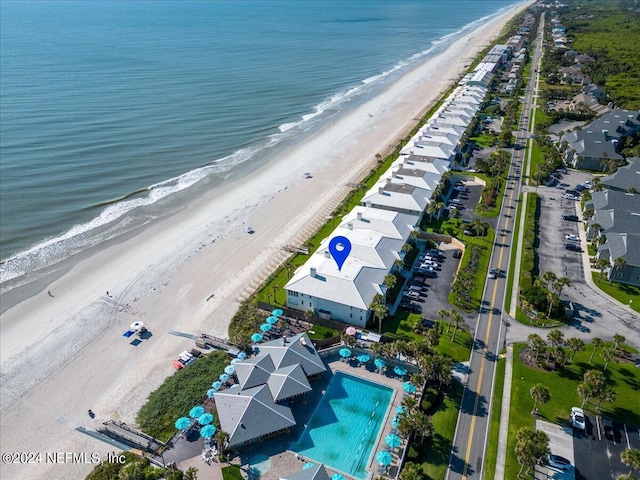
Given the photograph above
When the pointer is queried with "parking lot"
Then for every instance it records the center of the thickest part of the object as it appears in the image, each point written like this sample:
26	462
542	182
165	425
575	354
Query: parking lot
594	453
468	200
434	295
597	455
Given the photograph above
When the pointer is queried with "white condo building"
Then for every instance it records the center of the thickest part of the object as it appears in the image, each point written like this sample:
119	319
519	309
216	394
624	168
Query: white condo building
377	237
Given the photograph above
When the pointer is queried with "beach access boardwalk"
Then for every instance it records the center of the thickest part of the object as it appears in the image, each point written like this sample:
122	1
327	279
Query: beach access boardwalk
470	440
129	436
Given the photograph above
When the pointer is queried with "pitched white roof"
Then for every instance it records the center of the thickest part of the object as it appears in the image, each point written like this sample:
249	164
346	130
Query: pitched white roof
413	176
397	196
249	414
432	165
376	242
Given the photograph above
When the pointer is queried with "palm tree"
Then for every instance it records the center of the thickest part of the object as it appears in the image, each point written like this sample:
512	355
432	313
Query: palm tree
536	344
539	393
549	278
602	264
442	314
618	341
607	395
559	284
607	355
456	319
221	437
619	263
555	338
379	309
631	458
390	281
422	425
575	345
597	343
417	379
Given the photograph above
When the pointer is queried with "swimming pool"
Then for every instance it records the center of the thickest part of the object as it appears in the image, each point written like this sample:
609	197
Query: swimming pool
345	424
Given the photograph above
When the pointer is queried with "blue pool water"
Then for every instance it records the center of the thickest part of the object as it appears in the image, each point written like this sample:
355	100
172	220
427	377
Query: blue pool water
345	424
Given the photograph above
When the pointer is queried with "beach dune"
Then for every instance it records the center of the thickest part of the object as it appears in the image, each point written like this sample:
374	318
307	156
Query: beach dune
64	354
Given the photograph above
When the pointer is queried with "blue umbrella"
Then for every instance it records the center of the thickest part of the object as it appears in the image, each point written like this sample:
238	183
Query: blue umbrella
393	440
337	476
211	392
196	411
345	352
207	431
265	327
271	320
242	355
216	385
277	312
380	363
409	387
308	465
401	410
205	419
383	458
182	423
395	422
363	358
256	337
224	377
229	369
235	360
400	370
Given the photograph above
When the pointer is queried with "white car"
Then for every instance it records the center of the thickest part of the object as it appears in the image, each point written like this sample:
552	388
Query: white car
493	273
577	418
572	237
568	196
587	184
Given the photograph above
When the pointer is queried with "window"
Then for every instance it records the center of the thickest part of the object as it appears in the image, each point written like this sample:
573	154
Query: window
302	302
292	293
351	315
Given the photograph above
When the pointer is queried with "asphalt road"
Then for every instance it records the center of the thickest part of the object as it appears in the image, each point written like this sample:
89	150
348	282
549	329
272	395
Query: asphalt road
469	444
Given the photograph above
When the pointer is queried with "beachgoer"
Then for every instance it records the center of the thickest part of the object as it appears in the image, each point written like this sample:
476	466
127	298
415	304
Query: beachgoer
108	294
49	292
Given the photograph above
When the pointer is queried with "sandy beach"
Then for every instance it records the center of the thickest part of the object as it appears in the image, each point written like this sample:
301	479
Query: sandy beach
64	354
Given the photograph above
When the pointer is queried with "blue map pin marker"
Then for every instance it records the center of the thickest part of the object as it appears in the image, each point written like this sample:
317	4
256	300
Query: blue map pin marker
339	248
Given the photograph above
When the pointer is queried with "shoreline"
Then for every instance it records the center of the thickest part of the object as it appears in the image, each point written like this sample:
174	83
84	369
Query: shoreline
165	274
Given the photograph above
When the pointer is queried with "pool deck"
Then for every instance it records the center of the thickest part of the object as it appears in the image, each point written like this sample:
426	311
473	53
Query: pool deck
270	459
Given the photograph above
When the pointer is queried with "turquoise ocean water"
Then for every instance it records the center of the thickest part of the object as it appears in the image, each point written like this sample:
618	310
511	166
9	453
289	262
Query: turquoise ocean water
115	113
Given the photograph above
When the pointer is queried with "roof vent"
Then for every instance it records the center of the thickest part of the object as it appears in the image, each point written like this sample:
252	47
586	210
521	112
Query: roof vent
327	254
359	216
313	272
350	225
381	190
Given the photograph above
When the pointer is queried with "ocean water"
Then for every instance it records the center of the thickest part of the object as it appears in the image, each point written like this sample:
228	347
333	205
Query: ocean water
115	113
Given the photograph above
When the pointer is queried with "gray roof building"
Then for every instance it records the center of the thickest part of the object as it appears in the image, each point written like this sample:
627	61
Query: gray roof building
247	415
254	371
286	352
625	177
287	382
598	141
317	472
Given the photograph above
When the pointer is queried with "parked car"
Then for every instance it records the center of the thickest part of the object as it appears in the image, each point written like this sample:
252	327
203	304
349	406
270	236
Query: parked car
573	247
568	196
607	425
572	192
580	188
434	252
571	218
559	463
577	418
457	253
587	184
572	237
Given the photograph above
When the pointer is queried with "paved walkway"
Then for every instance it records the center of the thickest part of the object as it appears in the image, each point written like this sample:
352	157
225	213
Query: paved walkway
504	416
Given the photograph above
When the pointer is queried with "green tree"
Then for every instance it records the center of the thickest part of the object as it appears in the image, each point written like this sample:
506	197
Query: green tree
597	343
531	447
536	344
592	385
555	338
575	345
456	320
539	393
379	309
607	395
423	425
549	278
618	342
607	355
442	314
412	471
631	458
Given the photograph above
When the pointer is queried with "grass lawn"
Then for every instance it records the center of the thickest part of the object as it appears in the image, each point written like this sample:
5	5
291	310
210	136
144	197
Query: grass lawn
494	425
444	422
321	333
232	472
484	140
622	293
401	327
512	260
623	378
536	159
486	243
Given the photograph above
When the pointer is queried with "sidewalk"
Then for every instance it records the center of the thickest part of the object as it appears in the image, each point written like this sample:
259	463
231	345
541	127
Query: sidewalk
504	417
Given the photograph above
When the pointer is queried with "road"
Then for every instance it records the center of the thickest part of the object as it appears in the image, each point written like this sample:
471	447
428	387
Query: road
469	443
